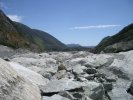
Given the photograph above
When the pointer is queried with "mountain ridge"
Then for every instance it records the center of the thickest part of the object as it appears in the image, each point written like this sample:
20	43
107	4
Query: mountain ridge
122	41
18	35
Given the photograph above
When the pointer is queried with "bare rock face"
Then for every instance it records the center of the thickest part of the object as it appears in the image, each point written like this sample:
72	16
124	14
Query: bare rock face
29	74
14	87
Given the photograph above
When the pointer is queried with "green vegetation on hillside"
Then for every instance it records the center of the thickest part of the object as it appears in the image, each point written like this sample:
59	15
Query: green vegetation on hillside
17	35
124	36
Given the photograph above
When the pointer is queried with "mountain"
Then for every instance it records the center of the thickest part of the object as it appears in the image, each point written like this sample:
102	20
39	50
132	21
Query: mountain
78	47
18	35
74	45
122	41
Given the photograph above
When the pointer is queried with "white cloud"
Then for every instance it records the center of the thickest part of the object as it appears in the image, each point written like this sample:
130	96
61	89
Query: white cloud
3	6
15	18
94	27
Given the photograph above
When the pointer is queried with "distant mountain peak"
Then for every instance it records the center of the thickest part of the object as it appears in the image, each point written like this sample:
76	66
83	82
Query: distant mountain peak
74	45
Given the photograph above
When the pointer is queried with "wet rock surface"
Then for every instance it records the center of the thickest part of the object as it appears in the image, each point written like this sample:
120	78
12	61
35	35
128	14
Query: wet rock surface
77	75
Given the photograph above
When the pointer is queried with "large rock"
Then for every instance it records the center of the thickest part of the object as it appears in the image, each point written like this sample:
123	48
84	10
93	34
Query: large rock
29	74
14	87
94	90
91	90
123	67
91	70
78	69
60	74
27	62
6	51
61	85
107	86
66	94
93	60
37	64
55	97
119	94
62	56
131	88
98	60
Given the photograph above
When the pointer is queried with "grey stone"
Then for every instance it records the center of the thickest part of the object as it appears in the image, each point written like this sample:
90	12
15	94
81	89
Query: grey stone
131	88
101	79
66	94
91	89
47	75
119	94
98	75
29	74
88	66
55	97
77	70
13	86
94	91
81	79
7	59
61	67
86	98
61	85
107	86
60	74
91	70
90	77
77	95
97	60
111	78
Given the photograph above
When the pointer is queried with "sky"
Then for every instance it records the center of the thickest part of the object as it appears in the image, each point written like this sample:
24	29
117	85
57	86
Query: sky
84	22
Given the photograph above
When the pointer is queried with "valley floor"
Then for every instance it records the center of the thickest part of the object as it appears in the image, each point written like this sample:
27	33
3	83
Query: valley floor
75	75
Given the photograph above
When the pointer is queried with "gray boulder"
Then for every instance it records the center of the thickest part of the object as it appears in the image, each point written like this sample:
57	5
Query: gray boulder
61	85
119	94
14	86
123	67
94	91
77	95
97	60
91	70
55	97
60	74
107	86
66	94
112	78
80	90
29	74
131	88
78	69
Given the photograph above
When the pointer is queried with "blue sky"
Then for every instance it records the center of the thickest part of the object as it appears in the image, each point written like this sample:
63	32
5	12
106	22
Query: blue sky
83	22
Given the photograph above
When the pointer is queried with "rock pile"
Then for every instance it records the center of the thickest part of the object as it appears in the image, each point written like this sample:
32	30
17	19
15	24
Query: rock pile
77	75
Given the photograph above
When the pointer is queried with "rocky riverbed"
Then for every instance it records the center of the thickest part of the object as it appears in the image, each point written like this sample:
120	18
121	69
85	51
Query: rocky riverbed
66	75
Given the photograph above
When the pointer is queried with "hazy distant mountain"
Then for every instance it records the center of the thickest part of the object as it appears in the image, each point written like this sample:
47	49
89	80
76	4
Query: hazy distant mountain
18	35
78	47
74	45
122	41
